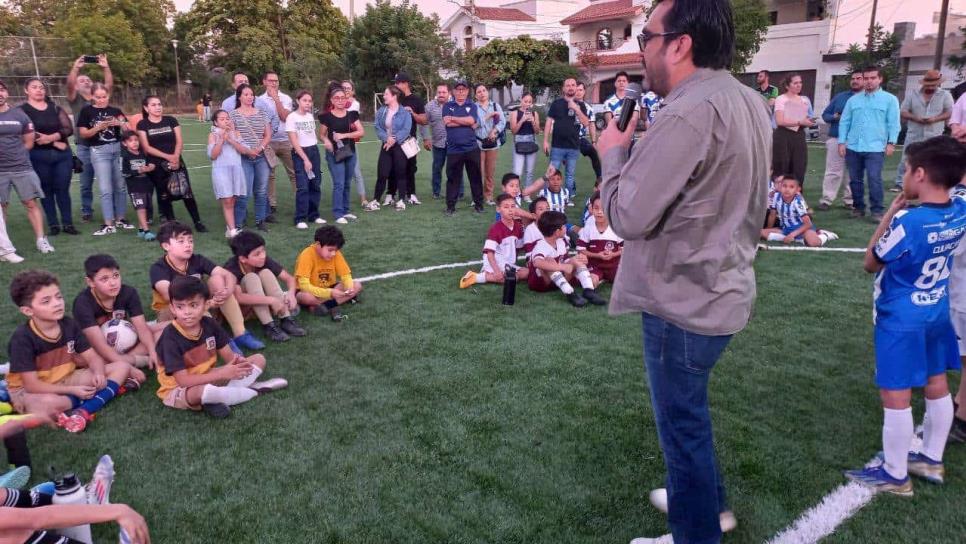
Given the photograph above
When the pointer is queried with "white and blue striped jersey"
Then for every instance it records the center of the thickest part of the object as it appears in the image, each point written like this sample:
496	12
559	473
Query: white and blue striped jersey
558	201
614	105
653	103
789	214
957	277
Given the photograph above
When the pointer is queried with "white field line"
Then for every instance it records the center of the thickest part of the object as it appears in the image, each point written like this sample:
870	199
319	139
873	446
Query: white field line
821	520
411	271
817	249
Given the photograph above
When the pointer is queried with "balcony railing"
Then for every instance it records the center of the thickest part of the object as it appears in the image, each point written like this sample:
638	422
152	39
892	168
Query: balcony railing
598	45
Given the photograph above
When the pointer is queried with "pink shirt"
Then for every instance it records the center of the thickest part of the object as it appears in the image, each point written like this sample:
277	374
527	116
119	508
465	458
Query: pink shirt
795	110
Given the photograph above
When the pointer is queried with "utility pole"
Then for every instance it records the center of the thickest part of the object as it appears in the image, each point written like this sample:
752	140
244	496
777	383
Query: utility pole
352	11
937	61
868	45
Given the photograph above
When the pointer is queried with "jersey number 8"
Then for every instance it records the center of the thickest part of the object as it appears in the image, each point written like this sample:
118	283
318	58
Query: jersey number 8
933	271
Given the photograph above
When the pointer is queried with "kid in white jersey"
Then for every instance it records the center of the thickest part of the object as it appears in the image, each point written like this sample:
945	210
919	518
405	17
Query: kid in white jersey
789	220
550	265
503	240
600	244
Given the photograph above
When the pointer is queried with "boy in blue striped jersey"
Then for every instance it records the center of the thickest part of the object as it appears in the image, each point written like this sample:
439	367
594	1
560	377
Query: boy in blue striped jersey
789	219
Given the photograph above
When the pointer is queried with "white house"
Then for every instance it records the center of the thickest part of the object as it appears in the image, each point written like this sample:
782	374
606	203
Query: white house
473	26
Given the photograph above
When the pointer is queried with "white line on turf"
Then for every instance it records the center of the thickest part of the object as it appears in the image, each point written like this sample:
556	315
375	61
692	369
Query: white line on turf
820	521
817	249
411	271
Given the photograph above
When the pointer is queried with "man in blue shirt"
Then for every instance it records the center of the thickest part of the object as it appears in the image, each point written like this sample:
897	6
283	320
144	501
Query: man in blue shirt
868	130
835	164
459	116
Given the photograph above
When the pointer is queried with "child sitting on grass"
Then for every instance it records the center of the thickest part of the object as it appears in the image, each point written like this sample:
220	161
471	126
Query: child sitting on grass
324	278
180	259
188	350
550	265
531	234
794	221
511	186
503	240
258	289
52	366
600	245
550	186
105	298
134	168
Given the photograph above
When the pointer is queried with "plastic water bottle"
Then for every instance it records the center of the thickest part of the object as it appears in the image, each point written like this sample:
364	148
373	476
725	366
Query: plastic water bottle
68	490
509	285
310	174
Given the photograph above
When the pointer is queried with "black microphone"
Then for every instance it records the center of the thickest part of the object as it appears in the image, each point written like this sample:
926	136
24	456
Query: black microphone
631	95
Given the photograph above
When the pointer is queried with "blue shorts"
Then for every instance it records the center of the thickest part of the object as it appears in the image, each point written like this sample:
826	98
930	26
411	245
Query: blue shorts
790	229
907	359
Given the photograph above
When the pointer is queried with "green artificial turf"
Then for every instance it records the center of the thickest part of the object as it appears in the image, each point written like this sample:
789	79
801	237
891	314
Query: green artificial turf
434	414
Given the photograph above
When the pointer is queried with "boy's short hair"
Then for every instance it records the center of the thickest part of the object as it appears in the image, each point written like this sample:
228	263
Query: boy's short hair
550	222
172	229
941	157
329	236
128	134
96	263
533	205
25	285
245	242
556	174
790	177
504	197
188	287
508	177
594	197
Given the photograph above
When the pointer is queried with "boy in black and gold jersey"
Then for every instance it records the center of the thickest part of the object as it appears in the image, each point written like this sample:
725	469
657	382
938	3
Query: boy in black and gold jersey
52	366
188	350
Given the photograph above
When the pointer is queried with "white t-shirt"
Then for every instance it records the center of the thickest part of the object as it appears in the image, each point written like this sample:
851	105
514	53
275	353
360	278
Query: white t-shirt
354	106
303	125
543	250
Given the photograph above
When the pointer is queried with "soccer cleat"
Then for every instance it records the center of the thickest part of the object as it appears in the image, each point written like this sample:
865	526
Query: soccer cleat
400	206
593	298
248	341
301	225
12	258
576	300
876	478
926	468
217	410
414	201
319	221
73	422
104	230
267	386
123	224
387	201
290	327
342	221
16	478
234	347
663	539
468	279
351	217
131	385
43	245
274	333
99	488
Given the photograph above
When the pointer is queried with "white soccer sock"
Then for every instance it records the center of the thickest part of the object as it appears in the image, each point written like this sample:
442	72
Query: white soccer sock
561	282
480	277
230	396
823	237
775	237
247	380
935	427
583	276
896	441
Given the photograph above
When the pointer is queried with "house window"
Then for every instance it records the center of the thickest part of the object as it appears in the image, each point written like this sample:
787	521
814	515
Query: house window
468	38
604	39
815	10
627	32
772	17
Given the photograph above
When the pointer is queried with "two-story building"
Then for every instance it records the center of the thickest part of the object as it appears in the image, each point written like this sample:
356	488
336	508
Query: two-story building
473	26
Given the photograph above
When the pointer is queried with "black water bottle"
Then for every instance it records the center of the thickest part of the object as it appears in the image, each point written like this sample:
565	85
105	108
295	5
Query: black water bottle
509	285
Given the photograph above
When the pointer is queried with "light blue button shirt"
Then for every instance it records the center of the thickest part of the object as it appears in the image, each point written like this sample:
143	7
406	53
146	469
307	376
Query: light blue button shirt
869	122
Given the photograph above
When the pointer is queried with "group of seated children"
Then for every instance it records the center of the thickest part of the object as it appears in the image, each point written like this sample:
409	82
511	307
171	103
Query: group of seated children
789	219
541	234
68	366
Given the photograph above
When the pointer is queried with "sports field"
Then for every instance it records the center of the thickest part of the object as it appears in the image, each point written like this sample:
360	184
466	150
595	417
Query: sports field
434	414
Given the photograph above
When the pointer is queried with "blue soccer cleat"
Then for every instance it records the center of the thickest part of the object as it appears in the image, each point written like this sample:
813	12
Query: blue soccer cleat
928	469
248	341
879	480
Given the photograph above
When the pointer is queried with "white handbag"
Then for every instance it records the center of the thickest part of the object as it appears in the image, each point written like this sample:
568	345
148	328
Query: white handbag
410	147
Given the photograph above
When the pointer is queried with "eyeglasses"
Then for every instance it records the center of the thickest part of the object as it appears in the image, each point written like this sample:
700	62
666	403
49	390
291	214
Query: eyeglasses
646	36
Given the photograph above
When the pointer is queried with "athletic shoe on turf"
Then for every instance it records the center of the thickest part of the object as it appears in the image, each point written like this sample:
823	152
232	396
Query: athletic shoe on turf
301	225
12	258
593	298
468	279
350	216
577	300
70	229
274	333
414	201
830	235
342	221
262	226
858	213
123	224
387	201
371	206
43	245
99	488
824	206
928	469
200	227
267	386
877	479
478	208
400	206
54	230
290	327
104	230
663	539
131	385
248	341
16	478
895	189
491	202
72	422
658	498
217	410
570	204
957	433
319	221
337	315
448	212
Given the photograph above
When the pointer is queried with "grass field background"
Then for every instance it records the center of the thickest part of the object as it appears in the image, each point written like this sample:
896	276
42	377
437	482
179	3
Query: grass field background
435	414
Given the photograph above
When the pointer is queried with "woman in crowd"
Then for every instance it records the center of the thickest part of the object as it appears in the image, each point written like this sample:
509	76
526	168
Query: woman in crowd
300	126
339	128
492	122
162	143
227	177
353	105
392	128
525	125
256	133
51	159
793	116
100	125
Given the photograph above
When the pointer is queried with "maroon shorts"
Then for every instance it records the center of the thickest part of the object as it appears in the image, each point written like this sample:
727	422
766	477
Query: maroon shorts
538	283
605	274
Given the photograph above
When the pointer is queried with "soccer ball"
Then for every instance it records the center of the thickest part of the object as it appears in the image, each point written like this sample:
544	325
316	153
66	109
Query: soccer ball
120	335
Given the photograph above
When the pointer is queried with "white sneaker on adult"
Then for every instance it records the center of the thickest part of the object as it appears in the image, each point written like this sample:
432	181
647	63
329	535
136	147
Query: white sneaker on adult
663	539
12	258
43	245
371	206
414	201
350	217
301	225
400	206
658	498
319	221
104	230
387	201
342	221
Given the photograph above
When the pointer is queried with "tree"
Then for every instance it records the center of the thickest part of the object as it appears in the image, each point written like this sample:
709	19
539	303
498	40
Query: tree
92	31
751	25
522	61
883	55
958	62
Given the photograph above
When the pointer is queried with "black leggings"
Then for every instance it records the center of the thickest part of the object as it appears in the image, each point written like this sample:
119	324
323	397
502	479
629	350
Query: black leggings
393	164
159	177
789	153
588	150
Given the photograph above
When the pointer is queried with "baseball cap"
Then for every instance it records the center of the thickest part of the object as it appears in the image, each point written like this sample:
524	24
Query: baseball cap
461	83
401	77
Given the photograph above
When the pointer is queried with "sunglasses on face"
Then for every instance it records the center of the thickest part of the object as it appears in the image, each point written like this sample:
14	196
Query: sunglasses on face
646	36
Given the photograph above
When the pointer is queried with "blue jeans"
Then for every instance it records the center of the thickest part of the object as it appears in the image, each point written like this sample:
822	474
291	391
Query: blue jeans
54	168
308	192
342	174
679	365
439	162
858	164
256	179
901	169
559	155
106	160
86	180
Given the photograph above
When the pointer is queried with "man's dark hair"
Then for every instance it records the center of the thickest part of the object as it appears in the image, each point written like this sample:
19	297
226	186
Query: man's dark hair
766	72
25	284
622	73
508	177
710	23
245	242
237	73
581	84
329	236
550	222
941	157
791	177
502	197
533	205
872	68
172	229
96	263
269	73
187	288
444	84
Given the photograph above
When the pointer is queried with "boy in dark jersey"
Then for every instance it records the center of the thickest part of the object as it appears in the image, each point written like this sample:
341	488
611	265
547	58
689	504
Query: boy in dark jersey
135	167
107	298
258	289
180	259
188	350
52	366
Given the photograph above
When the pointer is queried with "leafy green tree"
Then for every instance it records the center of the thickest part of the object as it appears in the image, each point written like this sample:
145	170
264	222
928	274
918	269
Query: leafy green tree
521	60
884	55
95	32
751	25
958	61
313	43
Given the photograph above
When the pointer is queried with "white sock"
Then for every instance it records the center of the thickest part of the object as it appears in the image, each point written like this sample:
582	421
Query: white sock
583	276
823	238
935	427
247	380
561	282
230	396
896	441
480	277
775	237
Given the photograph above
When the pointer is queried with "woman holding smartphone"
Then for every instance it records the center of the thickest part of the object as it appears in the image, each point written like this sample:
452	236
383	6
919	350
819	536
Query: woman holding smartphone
525	125
793	116
100	125
492	122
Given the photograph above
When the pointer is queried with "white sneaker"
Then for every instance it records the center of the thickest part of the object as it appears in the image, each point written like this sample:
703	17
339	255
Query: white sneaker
491	203
99	488
11	258
414	201
342	221
387	201
44	246
104	230
570	204
319	221
831	235
371	206
400	206
663	539
350	217
269	385
301	225
123	224
658	498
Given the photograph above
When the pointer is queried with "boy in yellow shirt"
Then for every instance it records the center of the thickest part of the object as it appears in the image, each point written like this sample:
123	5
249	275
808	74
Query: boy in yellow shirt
323	276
